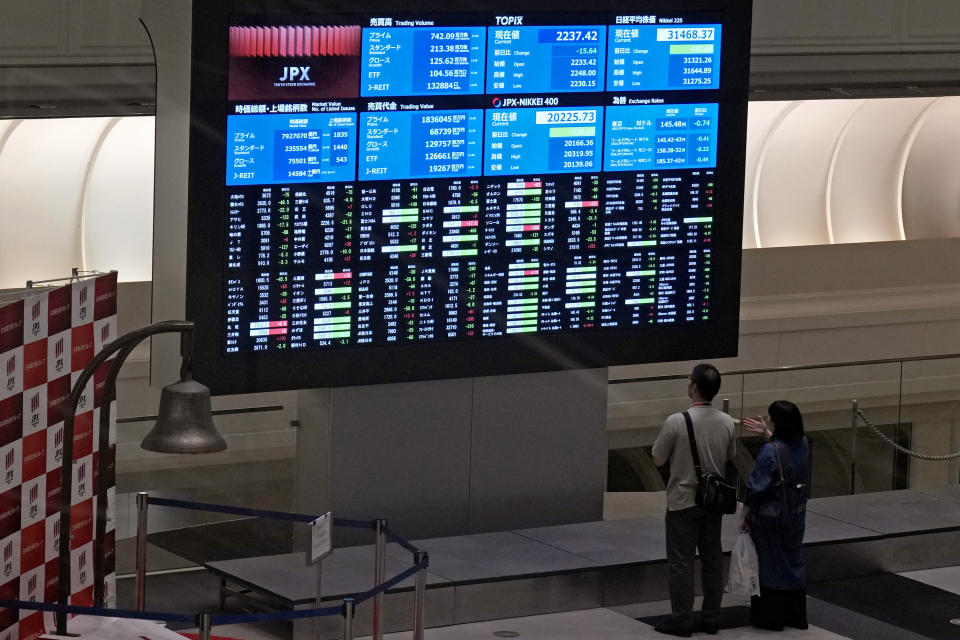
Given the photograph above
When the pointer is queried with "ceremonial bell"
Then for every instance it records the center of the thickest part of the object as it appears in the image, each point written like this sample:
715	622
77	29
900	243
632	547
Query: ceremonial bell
184	423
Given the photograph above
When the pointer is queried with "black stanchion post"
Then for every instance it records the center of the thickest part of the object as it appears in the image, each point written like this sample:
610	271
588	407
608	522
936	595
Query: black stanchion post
204	625
420	592
318	569
141	567
348	606
379	575
853	448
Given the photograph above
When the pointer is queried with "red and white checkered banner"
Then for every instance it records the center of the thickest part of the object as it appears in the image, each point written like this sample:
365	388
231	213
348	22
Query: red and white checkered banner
46	339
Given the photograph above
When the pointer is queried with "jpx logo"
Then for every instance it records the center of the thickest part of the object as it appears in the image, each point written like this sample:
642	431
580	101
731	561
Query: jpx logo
34	496
82	480
82	566
8	559
35	409
295	74
32	588
83	303
105	333
58	354
11	370
58	444
8	460
56	535
35	318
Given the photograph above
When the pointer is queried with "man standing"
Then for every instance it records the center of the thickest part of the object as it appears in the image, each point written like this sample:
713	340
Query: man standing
689	527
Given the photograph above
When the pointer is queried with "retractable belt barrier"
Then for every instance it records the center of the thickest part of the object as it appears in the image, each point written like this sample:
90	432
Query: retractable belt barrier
96	611
258	513
205	620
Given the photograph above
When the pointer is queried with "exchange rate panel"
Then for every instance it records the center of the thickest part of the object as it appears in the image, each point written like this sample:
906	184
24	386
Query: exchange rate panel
473	192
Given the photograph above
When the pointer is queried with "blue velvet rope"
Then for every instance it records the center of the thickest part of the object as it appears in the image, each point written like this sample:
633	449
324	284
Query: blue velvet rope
257	513
400	541
389	584
270	616
96	611
275	616
353	524
220	508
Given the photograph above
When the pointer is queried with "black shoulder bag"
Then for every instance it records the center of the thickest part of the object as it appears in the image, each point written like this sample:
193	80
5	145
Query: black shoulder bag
714	493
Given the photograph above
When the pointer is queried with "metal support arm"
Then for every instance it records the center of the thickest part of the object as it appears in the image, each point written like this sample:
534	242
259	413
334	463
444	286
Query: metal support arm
123	346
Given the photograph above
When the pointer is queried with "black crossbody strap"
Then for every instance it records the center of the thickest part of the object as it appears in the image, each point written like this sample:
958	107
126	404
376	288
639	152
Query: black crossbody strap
776	453
693	445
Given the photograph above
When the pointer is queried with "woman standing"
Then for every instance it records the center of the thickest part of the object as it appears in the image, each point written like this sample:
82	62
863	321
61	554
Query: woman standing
775	513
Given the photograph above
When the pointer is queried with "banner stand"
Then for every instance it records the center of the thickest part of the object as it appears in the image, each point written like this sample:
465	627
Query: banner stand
48	334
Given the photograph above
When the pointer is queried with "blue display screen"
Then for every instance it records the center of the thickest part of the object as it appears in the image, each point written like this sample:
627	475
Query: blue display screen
657	58
640	138
273	148
397	179
403	145
545	59
422	61
523	141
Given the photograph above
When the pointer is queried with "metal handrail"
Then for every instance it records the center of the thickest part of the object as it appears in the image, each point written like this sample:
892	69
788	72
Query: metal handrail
796	367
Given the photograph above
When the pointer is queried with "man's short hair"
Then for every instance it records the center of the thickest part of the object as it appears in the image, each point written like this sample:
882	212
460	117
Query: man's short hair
707	380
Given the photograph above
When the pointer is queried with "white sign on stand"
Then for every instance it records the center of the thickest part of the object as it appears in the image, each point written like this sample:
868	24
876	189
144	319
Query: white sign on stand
320	537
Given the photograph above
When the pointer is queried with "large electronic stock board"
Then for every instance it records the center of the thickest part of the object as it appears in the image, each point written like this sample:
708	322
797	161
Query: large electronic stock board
382	193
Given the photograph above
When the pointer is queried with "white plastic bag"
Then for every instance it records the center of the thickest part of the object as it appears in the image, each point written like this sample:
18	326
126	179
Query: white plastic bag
744	577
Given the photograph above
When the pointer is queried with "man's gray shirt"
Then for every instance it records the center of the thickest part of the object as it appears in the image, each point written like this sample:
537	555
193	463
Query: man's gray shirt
715	443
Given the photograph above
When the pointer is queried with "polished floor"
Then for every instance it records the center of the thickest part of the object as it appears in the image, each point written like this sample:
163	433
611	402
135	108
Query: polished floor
908	606
916	605
595	623
602	624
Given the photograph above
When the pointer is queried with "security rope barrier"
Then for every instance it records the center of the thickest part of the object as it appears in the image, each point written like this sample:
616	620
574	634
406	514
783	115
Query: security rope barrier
257	513
902	449
95	611
205	620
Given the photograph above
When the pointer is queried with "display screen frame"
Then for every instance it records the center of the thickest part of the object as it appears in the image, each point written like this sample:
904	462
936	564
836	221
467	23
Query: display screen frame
373	364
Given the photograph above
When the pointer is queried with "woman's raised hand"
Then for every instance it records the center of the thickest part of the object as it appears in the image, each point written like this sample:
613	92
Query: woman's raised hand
758	426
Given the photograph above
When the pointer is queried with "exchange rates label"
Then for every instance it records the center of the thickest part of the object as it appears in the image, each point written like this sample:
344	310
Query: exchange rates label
681	136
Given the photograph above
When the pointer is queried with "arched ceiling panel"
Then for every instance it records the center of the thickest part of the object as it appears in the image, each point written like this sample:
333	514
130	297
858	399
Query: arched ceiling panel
762	120
931	188
118	201
793	176
43	167
864	194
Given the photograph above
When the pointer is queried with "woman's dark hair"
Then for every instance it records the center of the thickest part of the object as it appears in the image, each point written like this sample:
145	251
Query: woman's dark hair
787	421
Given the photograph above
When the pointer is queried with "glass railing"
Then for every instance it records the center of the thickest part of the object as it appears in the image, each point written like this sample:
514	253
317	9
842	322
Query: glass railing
915	402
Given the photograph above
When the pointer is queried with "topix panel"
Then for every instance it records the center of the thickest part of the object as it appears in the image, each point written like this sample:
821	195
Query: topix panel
381	195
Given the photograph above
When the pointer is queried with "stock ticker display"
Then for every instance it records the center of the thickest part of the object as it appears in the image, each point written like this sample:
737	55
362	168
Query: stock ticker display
398	179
